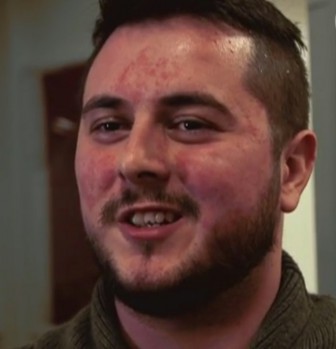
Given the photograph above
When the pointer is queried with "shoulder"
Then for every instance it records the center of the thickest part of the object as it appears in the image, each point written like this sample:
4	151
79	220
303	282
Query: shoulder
323	312
320	329
74	334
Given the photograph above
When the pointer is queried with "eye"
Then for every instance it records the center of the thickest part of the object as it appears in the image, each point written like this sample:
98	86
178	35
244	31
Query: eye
109	130
191	125
190	129
109	126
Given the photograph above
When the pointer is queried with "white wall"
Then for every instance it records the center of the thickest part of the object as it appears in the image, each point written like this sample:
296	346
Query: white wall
300	226
46	34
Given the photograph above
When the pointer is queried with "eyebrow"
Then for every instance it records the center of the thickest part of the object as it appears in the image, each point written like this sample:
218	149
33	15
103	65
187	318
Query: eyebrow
194	99
175	100
103	102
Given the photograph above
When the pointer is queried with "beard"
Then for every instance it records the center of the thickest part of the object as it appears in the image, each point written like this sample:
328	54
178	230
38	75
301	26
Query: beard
229	255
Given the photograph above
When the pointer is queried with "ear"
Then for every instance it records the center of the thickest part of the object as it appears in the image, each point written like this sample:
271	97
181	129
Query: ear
297	162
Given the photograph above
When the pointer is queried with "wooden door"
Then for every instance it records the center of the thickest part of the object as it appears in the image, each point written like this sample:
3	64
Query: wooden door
74	271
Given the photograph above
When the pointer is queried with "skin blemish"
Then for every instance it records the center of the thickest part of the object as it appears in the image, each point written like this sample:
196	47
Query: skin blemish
140	60
135	75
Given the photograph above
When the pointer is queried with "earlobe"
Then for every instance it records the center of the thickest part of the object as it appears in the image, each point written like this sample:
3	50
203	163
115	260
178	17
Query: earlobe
297	163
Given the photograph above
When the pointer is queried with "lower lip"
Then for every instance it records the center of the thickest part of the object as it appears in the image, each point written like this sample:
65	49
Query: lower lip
149	233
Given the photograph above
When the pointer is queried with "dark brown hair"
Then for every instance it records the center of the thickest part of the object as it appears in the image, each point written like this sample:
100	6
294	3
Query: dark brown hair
276	76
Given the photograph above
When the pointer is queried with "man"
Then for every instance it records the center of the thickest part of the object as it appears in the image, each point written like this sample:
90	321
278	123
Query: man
193	144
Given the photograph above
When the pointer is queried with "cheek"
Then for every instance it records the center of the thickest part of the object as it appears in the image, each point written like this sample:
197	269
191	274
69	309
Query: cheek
95	173
206	176
229	183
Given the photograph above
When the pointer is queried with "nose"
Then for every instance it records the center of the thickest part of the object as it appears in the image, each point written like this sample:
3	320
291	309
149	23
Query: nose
143	162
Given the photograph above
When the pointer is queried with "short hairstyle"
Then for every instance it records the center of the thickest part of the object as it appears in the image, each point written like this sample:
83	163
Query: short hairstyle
276	75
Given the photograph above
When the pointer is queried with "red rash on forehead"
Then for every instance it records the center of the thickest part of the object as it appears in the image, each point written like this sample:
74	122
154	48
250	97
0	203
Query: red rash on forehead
144	60
161	69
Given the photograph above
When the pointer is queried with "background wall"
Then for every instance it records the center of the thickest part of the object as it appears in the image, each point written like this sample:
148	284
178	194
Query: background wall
4	161
35	36
323	56
39	35
300	226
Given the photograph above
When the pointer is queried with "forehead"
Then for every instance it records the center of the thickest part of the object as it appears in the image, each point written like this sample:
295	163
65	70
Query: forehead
173	53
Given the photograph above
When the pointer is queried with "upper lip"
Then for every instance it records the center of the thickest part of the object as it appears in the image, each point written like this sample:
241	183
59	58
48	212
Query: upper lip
125	215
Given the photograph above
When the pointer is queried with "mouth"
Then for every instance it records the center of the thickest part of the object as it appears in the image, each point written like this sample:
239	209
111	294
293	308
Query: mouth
150	217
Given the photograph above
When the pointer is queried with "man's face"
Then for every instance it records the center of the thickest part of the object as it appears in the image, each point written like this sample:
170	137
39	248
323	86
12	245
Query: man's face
174	162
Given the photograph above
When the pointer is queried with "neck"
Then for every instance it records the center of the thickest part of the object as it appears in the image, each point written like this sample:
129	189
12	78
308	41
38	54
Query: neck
231	321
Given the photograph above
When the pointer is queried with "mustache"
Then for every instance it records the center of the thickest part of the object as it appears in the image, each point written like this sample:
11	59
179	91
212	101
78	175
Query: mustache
186	205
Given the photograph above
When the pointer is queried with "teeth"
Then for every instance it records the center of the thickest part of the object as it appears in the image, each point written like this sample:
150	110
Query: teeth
138	219
170	217
160	217
152	218
149	218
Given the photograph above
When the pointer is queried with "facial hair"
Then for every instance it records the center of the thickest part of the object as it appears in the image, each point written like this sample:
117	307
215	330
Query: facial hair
231	252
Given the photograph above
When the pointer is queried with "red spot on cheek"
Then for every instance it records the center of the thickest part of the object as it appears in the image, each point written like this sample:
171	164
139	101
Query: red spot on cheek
84	179
106	170
96	176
